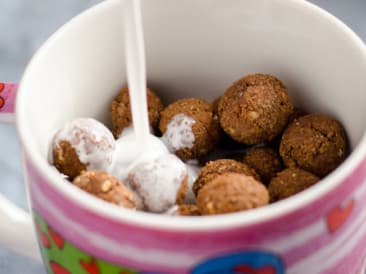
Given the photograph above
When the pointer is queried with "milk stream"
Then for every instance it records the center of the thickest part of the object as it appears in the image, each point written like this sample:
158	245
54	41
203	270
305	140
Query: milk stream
136	70
136	147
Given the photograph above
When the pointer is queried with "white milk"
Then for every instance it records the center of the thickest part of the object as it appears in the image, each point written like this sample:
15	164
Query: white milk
179	133
157	181
92	141
128	153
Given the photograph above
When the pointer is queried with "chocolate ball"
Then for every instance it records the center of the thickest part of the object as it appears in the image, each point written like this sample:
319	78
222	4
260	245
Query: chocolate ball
121	111
315	142
231	192
265	161
103	185
255	109
289	182
218	167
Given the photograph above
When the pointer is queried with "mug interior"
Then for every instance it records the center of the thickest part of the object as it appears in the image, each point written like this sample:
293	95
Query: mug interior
196	49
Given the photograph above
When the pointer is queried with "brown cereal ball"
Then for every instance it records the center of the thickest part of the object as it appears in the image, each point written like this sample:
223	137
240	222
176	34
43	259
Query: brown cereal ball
105	186
265	161
66	160
121	110
82	144
160	183
190	128
289	182
188	210
218	167
255	109
315	142
231	192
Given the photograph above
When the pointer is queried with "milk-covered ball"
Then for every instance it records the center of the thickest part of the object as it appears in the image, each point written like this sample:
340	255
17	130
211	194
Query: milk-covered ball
190	128
160	183
82	144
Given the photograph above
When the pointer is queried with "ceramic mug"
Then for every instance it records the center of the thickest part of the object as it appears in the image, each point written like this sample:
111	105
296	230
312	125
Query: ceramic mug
194	48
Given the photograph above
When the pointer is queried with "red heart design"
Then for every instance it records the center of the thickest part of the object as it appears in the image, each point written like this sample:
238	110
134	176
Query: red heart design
59	241
91	267
338	216
2	86
246	269
2	102
58	269
43	236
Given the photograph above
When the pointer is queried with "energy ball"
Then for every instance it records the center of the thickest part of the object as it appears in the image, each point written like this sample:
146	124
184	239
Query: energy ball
190	128
82	144
255	109
121	111
289	182
315	142
218	167
105	186
265	161
231	192
160	183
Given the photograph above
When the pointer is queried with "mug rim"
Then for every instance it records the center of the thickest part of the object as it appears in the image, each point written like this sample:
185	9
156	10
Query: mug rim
161	221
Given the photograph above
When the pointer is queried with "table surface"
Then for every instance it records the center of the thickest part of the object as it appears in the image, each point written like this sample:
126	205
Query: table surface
24	25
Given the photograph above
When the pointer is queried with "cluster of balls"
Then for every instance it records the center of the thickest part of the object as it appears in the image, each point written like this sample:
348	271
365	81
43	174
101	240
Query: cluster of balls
269	150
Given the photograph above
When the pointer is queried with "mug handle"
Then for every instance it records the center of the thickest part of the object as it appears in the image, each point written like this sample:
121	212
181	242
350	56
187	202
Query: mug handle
16	228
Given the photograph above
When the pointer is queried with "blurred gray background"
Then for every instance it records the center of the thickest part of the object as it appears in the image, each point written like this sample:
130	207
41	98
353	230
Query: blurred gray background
24	26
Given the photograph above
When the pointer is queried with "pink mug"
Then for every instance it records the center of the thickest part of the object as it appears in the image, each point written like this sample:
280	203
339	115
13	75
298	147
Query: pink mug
194	48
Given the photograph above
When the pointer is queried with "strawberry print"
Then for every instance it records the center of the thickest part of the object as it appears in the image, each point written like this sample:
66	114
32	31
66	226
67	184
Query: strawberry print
58	269
91	267
58	240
